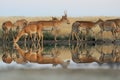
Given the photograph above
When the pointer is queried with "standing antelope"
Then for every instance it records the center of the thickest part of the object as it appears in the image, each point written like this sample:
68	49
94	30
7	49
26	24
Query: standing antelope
87	25
7	27
108	26
117	21
20	24
52	24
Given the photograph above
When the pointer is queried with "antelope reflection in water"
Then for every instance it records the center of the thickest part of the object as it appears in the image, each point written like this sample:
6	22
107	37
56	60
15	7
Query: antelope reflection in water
7	53
98	53
109	53
80	54
10	55
37	56
7	28
7	57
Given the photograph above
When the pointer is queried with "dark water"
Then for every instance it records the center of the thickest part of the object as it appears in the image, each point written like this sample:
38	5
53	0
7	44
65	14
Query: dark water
86	60
56	55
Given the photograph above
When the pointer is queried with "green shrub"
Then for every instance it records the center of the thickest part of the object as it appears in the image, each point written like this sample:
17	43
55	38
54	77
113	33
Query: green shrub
48	36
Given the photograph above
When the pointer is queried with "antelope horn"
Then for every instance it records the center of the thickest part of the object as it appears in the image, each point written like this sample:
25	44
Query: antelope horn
65	12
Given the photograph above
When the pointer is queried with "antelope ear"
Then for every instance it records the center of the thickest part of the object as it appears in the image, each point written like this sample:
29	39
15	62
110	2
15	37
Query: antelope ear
24	24
100	19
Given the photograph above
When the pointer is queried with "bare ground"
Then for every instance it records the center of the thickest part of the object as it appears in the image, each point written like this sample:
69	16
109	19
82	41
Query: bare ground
60	74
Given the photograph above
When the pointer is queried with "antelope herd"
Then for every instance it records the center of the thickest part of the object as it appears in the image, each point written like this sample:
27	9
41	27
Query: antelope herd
34	30
23	27
108	25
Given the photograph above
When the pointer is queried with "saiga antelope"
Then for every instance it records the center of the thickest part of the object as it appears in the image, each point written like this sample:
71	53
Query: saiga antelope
87	25
117	21
108	25
20	24
54	24
29	30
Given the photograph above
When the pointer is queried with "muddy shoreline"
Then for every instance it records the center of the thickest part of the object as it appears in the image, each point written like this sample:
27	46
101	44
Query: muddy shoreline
61	74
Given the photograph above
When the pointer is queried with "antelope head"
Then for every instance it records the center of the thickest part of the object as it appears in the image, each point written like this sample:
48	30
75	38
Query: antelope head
99	21
54	19
65	19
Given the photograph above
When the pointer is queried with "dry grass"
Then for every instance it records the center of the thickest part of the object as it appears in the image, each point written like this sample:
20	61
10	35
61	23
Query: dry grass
65	29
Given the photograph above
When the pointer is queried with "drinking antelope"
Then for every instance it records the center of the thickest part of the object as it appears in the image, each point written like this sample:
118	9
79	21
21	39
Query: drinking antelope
20	24
29	30
108	25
